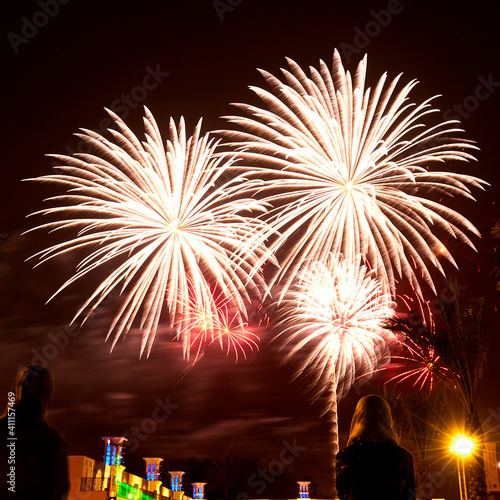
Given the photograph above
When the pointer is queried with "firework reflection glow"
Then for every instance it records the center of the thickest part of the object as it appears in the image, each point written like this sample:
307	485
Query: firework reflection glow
346	168
333	319
176	231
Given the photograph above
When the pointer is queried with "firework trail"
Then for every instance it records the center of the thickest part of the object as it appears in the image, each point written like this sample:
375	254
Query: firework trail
333	319
162	213
345	167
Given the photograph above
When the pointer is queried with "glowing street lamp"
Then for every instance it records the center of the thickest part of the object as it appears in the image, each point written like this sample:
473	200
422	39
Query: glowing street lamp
462	446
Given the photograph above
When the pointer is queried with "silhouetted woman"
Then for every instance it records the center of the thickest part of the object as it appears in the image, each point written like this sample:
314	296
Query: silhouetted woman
373	466
41	470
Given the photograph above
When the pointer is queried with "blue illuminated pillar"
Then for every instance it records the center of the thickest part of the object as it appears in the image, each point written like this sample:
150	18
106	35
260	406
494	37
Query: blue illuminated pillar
113	447
153	468
304	489
176	480
198	491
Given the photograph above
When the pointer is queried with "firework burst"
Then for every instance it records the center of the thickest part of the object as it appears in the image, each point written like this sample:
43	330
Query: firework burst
419	344
233	338
215	321
346	168
424	365
333	318
162	213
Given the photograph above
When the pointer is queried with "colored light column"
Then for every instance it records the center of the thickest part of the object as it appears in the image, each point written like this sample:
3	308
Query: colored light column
153	468
176	480
198	491
113	447
304	489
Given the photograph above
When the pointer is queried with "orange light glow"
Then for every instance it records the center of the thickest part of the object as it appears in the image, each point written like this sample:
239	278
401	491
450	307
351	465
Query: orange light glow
462	445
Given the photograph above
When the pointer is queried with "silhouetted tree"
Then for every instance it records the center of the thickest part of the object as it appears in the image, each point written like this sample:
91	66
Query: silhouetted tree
418	418
228	477
495	232
453	349
463	346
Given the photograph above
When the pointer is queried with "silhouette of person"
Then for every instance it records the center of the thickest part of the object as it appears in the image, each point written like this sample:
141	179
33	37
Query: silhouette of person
373	466
39	451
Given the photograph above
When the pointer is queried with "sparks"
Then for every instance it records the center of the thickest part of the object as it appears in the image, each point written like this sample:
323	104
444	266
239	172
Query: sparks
164	215
416	341
333	318
212	320
346	168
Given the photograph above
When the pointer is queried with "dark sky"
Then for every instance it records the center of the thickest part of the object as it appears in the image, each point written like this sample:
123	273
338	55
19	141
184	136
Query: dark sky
85	56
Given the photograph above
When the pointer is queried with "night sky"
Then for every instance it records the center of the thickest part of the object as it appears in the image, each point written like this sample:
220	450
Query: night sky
193	59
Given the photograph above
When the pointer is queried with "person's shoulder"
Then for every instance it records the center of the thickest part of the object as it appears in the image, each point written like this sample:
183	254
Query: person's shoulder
352	450
54	434
43	431
360	446
349	449
400	449
396	450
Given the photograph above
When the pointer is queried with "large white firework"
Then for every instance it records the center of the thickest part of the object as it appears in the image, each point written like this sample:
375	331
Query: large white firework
347	169
175	230
332	320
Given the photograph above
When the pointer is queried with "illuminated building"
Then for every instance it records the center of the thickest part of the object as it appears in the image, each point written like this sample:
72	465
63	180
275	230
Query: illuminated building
94	480
109	480
492	470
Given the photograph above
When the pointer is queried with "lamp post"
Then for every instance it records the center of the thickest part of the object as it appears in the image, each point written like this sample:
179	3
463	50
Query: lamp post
462	446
